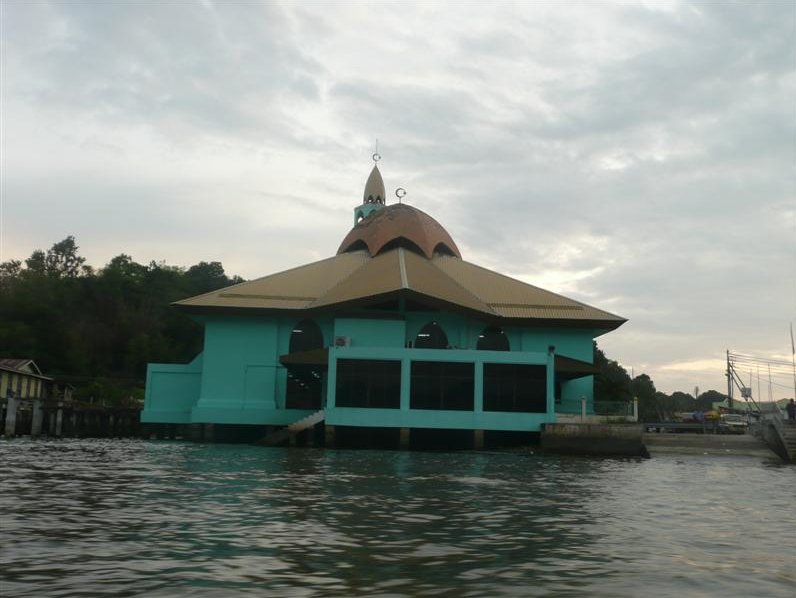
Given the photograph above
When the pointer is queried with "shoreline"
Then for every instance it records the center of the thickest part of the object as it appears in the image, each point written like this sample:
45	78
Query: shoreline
716	445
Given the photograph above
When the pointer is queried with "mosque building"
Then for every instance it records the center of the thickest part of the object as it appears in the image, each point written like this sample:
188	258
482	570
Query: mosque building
396	339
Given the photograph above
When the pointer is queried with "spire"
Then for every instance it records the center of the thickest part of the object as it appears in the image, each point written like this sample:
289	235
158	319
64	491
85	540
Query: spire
374	188
373	198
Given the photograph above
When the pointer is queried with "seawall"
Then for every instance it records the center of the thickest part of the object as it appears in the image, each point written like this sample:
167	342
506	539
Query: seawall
707	444
594	439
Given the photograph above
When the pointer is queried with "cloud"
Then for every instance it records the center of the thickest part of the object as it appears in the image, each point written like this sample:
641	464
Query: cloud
637	156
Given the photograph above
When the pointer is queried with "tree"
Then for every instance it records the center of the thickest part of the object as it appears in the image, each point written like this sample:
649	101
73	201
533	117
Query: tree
35	264
611	383
9	273
62	259
206	276
706	399
108	324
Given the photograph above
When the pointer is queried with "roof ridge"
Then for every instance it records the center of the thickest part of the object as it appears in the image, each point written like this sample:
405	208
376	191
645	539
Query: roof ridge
467	291
495	273
364	264
252	281
402	267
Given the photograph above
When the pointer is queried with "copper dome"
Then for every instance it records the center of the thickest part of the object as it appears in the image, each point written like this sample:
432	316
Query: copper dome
399	225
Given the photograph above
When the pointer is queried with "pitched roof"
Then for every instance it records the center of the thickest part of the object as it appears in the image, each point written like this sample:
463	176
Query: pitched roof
22	366
356	277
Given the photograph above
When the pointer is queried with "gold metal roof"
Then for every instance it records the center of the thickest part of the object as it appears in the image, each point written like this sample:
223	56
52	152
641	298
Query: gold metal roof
292	289
511	298
356	277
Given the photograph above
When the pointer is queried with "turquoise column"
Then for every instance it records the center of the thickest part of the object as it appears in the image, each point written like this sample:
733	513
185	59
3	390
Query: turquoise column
478	402
551	384
406	379
331	383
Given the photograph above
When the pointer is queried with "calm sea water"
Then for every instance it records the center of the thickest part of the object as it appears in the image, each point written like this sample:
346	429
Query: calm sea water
126	518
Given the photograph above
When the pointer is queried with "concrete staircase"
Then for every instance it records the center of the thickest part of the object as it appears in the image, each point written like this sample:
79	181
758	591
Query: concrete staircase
778	433
277	437
788	433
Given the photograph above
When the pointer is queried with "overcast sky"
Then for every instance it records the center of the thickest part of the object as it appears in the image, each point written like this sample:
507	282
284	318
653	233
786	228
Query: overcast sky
638	156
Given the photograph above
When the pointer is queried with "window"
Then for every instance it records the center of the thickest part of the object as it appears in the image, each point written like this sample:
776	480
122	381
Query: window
493	339
432	336
515	387
442	385
368	383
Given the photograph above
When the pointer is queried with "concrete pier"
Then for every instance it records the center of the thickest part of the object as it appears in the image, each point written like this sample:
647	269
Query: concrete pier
59	420
594	439
10	429
707	444
329	440
37	419
478	439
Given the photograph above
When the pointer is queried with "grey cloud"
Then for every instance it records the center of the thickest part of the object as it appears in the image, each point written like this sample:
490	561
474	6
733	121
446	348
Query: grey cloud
501	124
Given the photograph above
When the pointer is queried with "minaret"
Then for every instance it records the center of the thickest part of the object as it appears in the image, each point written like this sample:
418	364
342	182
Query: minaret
373	198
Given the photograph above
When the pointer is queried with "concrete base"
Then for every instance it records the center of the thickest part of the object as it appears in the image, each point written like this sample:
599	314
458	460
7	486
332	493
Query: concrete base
38	418
707	444
329	436
478	439
10	428
594	439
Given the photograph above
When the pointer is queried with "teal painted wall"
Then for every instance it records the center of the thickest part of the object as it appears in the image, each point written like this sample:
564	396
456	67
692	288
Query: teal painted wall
239	352
242	379
371	332
238	378
574	343
171	391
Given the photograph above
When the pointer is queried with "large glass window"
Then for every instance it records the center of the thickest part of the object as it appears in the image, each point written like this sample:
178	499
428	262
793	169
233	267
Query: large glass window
492	339
432	336
368	383
442	385
515	387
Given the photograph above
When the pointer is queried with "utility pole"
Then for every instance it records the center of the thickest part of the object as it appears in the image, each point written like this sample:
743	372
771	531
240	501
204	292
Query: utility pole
729	382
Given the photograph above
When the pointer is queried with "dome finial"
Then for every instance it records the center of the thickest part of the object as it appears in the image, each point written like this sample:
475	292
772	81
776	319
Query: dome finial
374	188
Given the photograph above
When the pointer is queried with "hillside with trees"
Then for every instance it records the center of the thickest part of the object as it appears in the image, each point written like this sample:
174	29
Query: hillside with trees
99	328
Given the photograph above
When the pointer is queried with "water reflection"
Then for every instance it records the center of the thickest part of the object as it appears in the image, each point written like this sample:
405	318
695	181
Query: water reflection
98	517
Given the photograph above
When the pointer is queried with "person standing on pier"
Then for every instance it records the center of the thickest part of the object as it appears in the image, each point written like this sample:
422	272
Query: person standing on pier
791	409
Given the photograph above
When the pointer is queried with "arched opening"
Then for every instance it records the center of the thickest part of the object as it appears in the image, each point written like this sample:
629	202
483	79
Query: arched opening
306	336
493	339
432	336
304	382
443	249
402	242
358	245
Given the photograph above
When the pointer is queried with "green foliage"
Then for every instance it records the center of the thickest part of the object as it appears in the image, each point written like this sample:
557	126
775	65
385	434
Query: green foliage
612	383
100	328
62	259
